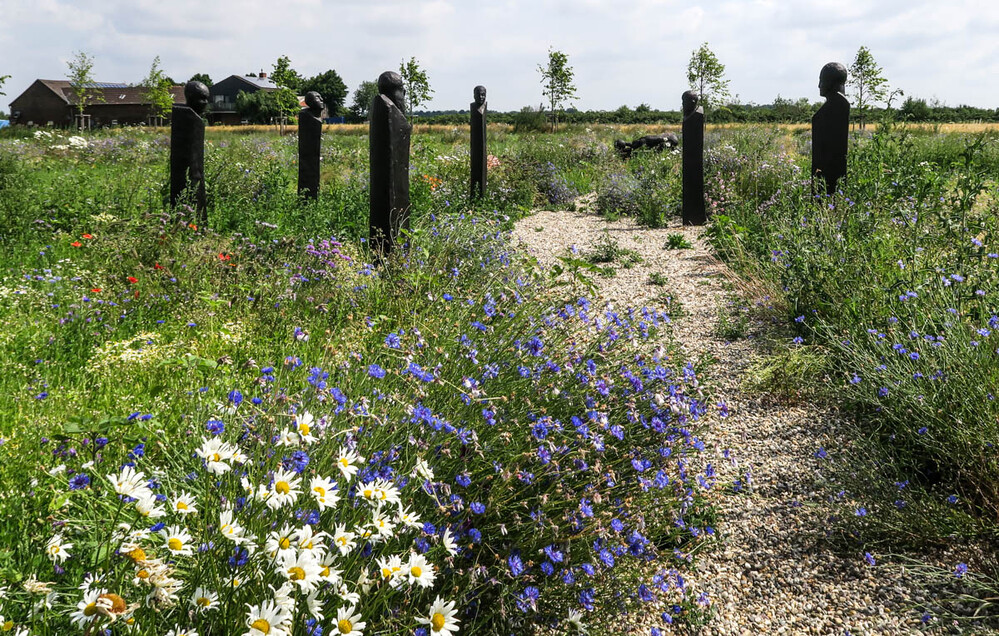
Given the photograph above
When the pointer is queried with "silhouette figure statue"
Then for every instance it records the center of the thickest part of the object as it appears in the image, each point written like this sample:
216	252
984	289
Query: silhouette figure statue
830	128
478	145
310	135
693	161
388	145
187	149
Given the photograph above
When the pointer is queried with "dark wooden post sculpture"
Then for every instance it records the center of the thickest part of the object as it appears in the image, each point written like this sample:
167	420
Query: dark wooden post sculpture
187	149
310	135
693	161
388	144
478	145
830	129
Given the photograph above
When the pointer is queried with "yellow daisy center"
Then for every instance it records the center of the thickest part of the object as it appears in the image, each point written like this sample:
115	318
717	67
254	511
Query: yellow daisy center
341	540
90	609
437	621
320	490
182	506
216	457
203	601
303	429
344	462
175	544
326	571
142	574
345	626
282	487
261	626
386	573
306	545
8	626
368	493
296	574
284	543
137	555
54	549
417	571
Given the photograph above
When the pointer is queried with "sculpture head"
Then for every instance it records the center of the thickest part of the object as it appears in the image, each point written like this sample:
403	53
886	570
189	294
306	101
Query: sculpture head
196	95
832	79
690	100
314	102
479	92
390	85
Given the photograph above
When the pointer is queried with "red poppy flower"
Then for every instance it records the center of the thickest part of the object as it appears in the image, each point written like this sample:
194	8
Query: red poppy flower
224	257
76	244
133	279
88	236
192	226
157	266
96	290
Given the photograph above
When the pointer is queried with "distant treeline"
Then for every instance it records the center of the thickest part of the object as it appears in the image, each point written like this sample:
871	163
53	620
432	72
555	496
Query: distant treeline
782	111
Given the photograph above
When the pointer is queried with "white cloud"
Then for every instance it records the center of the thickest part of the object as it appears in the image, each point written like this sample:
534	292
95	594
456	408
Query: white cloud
623	52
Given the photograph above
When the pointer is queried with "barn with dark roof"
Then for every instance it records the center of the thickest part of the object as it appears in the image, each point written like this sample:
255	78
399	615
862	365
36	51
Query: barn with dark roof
54	103
222	109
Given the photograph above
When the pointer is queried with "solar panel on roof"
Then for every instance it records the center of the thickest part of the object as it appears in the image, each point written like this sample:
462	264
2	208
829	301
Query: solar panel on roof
105	85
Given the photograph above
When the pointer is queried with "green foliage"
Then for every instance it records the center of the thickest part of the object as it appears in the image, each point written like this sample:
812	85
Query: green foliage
81	78
363	96
416	83
3	80
330	85
791	376
204	78
557	83
263	107
157	92
868	84
706	75
677	241
285	76
530	119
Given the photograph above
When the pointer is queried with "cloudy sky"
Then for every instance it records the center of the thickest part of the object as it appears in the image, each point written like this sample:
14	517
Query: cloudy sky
623	51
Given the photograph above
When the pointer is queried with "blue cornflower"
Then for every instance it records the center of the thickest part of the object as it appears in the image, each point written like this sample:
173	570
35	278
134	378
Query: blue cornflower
821	453
215	427
515	563
477	507
869	558
393	341
79	481
235	397
960	570
463	480
376	371
296	462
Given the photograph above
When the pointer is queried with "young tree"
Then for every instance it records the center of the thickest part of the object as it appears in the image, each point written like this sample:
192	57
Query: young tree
157	90
204	78
81	78
284	75
868	84
706	75
3	78
414	79
363	97
556	82
330	85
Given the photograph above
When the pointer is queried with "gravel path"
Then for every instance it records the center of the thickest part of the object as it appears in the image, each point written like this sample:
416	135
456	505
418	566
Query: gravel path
772	572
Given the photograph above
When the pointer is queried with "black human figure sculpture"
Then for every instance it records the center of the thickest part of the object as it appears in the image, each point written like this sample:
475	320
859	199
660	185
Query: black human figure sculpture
830	128
388	145
310	134
693	161
187	149
478	145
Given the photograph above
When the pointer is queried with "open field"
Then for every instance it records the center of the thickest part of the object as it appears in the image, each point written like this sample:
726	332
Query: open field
538	458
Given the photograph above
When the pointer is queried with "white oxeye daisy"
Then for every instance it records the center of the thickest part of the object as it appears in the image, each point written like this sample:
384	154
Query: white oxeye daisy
129	483
229	528
177	540
288	438
349	623
267	619
326	570
57	549
280	542
382	525
345	462
315	605
5	624
308	540
285	490
343	540
420	571
184	504
204	600
392	570
409	518
179	631
348	596
423	469
303	427
285	596
447	540
149	507
302	570
216	454
92	606
575	618
325	492
442	618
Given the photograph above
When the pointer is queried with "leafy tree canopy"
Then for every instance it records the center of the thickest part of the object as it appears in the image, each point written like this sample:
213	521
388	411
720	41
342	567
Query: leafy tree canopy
363	96
204	78
284	75
417	85
706	76
330	85
557	83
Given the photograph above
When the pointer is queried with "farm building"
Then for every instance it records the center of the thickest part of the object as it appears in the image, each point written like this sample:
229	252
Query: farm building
53	103
222	108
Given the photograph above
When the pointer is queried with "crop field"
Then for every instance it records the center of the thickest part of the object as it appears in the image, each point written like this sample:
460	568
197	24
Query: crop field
253	423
